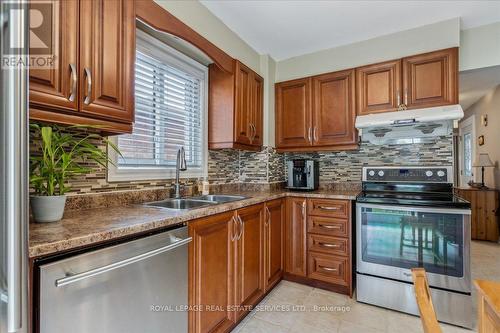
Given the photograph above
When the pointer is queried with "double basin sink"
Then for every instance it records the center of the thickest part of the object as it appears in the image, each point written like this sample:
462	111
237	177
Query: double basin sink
195	202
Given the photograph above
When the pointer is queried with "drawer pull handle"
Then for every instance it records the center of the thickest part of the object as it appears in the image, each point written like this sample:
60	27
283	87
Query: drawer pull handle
329	226
329	245
328	208
328	269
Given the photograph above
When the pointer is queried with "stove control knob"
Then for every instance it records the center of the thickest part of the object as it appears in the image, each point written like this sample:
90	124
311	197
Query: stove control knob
441	173
429	173
371	173
381	173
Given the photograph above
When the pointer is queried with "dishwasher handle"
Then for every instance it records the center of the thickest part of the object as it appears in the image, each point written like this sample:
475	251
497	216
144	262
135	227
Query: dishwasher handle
122	263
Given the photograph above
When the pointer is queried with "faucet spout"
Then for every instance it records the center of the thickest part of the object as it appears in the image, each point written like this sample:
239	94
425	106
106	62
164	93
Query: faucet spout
180	166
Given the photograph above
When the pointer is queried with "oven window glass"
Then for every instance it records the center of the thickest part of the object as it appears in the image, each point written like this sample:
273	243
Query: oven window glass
408	239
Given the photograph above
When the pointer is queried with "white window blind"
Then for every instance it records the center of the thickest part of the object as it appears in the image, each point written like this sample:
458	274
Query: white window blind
169	113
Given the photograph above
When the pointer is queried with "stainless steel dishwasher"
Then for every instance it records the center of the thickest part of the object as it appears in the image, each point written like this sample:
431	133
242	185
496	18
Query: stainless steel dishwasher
137	286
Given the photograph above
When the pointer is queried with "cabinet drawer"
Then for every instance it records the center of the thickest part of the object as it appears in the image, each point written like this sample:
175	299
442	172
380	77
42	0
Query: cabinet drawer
328	268
328	208
328	244
328	226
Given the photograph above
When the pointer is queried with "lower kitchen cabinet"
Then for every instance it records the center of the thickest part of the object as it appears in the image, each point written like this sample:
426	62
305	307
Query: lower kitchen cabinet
249	258
295	237
211	257
318	243
273	239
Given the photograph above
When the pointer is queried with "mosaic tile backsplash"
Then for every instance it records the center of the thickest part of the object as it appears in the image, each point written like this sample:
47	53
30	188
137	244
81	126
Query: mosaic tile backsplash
346	166
267	167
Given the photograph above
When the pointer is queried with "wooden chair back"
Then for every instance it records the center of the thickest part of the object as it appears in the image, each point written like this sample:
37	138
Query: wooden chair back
424	301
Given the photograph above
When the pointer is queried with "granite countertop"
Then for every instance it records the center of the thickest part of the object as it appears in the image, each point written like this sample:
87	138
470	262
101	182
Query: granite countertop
80	228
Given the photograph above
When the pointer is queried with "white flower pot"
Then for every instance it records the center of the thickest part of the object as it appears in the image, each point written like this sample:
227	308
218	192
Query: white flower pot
47	208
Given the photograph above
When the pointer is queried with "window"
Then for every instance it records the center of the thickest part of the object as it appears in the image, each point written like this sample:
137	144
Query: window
170	112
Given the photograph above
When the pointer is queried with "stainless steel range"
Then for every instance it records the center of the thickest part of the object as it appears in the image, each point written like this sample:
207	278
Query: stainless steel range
408	217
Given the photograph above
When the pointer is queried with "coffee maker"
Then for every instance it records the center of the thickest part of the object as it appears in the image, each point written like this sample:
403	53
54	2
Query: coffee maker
303	175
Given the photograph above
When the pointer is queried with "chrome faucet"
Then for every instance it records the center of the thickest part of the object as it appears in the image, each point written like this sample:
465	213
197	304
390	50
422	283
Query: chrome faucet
180	166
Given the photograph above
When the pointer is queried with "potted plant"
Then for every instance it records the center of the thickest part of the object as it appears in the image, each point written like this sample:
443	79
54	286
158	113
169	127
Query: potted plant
61	156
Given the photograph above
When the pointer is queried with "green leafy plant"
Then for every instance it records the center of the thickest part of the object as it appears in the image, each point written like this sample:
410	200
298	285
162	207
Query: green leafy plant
64	155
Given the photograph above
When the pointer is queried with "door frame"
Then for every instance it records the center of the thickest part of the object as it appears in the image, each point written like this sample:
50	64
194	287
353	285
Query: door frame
470	121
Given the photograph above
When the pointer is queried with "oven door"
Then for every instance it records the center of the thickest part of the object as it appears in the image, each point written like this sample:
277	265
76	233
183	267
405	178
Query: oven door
392	239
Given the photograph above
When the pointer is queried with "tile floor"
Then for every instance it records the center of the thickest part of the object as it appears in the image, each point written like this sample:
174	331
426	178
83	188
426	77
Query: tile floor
291	307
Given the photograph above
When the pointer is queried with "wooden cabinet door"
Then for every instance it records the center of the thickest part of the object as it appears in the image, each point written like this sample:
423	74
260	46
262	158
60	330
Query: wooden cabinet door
57	87
295	237
210	273
334	110
293	113
431	79
243	107
378	87
249	262
107	57
274	224
257	104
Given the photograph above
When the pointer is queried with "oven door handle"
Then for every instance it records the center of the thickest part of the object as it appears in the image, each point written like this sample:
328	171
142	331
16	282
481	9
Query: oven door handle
418	209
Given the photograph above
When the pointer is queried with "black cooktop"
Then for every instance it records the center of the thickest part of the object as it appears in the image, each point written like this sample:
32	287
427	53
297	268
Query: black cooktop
411	194
414	199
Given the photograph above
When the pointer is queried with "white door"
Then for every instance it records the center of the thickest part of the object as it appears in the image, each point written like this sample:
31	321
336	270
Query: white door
467	151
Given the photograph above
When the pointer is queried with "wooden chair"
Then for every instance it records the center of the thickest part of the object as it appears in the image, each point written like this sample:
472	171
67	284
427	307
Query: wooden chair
424	301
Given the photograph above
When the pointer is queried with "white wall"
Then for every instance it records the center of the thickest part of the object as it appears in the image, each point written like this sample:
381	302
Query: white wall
404	43
488	105
480	47
200	19
268	68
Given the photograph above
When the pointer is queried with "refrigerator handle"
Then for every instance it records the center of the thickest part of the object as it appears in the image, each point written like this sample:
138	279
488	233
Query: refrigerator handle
16	174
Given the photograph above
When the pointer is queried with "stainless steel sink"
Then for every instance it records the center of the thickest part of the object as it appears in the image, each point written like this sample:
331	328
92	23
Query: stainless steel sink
220	198
180	204
195	202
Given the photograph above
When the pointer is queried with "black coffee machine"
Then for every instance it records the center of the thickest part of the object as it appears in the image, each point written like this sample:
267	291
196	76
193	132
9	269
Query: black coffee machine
303	175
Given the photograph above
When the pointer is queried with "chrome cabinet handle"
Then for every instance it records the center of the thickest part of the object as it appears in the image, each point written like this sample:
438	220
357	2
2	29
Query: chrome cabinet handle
398	98
304	209
233	233
328	208
268	219
72	94
325	226
122	263
406	96
309	134
254	131
328	245
241	227
328	269
88	75
315	136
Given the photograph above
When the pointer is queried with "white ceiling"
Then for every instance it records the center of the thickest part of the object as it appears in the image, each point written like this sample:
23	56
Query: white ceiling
284	29
477	83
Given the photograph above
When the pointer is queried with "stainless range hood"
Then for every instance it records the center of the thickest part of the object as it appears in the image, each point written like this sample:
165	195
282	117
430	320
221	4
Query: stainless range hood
409	126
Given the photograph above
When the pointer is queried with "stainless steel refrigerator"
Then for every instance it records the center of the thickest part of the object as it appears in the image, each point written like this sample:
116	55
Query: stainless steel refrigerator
13	170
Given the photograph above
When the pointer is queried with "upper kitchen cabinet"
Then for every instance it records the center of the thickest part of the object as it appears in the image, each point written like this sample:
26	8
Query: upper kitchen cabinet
92	82
293	114
316	113
235	108
334	110
431	79
419	81
379	87
58	87
107	56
